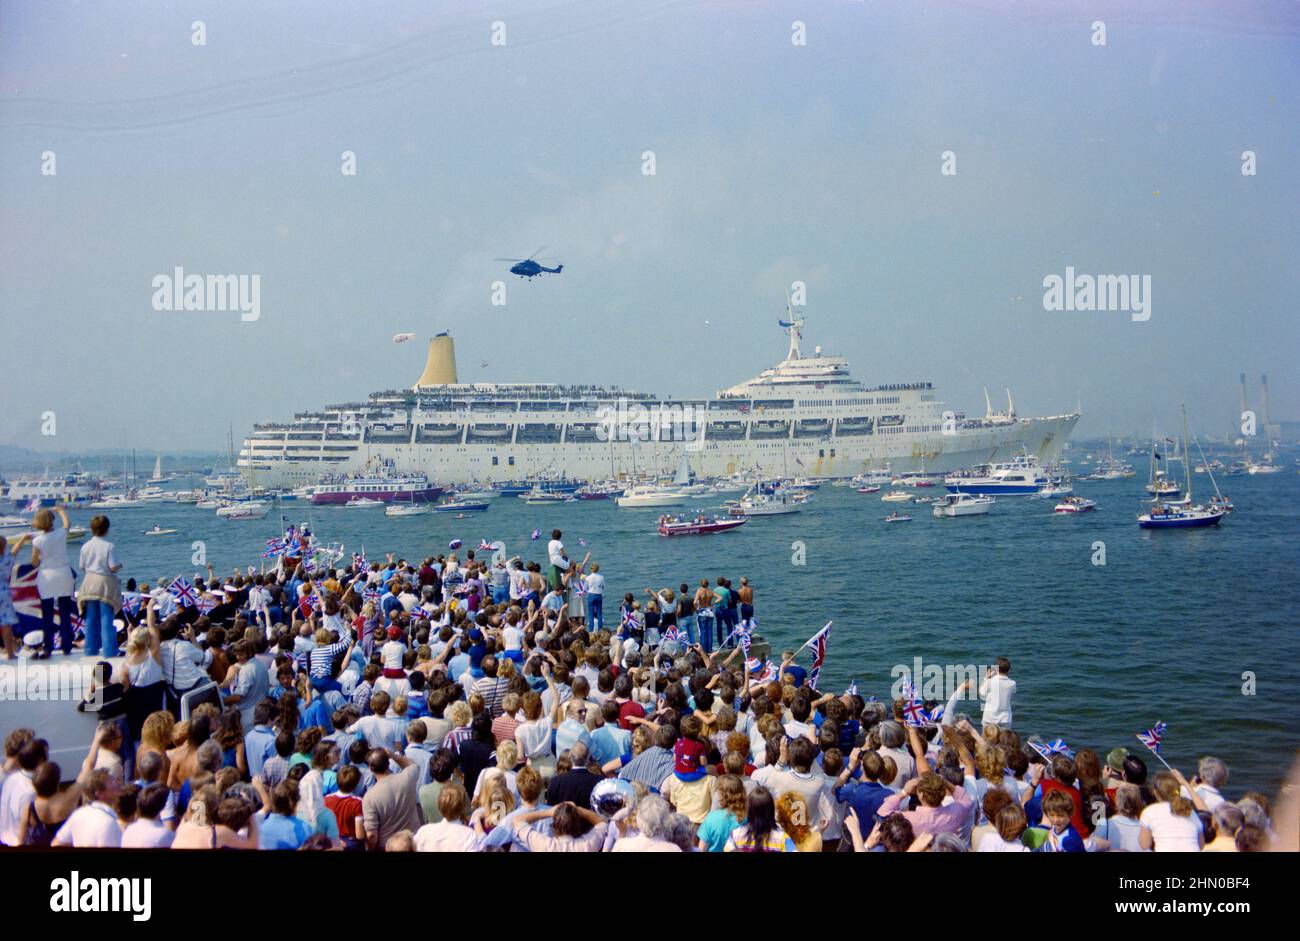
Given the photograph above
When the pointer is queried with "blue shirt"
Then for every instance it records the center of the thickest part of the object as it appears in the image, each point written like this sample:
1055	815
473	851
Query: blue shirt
715	829
609	742
279	832
318	713
865	799
259	745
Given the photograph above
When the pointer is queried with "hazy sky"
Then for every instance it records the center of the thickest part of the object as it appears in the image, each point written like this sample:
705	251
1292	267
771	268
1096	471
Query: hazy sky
774	162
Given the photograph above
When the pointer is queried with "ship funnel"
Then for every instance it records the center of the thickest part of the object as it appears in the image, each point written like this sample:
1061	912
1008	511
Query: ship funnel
440	366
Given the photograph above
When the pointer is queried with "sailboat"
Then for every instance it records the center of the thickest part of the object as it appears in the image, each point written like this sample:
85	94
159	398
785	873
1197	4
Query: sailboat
1184	515
1160	485
157	477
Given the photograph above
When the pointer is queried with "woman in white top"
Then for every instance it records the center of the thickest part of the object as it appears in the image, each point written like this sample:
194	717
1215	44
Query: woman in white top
141	674
54	579
100	596
1170	825
1010	823
533	736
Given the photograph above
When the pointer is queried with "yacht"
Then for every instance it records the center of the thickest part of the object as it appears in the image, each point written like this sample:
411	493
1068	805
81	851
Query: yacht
963	504
649	495
245	510
1020	476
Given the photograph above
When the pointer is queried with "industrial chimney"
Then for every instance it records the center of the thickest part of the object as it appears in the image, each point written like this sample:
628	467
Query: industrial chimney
440	365
1272	433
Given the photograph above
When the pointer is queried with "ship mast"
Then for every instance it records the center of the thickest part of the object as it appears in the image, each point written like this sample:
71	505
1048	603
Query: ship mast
1187	465
793	326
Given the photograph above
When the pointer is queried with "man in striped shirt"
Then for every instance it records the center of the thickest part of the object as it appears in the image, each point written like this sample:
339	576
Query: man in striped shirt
491	687
654	764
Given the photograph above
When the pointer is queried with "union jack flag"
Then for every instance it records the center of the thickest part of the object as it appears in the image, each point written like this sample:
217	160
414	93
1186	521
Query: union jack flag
130	602
308	604
819	643
1152	736
762	671
744	635
485	546
274	547
908	690
183	591
1046	751
206	603
630	622
358	562
581	587
914	713
370	594
32	506
936	717
537	534
673	633
852	689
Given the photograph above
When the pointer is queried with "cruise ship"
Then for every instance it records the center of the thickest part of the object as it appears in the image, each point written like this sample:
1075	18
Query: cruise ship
806	416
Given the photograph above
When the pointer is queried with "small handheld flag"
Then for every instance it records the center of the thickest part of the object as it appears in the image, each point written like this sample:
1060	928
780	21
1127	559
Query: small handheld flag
536	535
183	592
1152	738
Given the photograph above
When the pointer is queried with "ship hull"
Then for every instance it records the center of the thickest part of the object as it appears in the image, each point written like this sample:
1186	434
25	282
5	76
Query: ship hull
830	457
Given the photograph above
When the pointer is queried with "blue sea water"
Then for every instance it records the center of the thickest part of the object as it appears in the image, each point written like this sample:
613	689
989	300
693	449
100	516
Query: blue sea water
1196	628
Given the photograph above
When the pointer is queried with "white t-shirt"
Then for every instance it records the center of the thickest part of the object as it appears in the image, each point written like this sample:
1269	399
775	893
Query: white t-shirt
997	692
54	578
512	638
1172	834
145	834
98	556
993	843
392	654
595	584
555	553
445	837
94	825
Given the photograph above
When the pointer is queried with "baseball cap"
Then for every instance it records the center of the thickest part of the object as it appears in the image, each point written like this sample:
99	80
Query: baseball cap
1115	759
394	632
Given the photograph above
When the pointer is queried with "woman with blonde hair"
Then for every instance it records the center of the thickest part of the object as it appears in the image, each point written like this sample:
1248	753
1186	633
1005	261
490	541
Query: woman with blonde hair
793	816
156	736
54	578
141	674
100	595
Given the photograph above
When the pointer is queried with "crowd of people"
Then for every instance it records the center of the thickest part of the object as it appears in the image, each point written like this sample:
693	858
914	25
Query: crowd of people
464	703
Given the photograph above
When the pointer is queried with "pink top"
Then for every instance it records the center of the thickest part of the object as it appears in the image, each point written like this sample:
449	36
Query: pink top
947	818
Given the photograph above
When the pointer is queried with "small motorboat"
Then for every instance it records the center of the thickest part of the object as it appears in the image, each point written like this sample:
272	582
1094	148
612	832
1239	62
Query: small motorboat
1076	505
897	517
698	525
1221	502
363	502
158	531
897	496
537	496
13	525
871	489
463	506
243	511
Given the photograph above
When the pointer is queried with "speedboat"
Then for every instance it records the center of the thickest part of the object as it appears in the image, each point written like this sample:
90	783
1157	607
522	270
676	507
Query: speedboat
1263	467
249	510
647	495
963	504
362	502
697	526
13	525
116	501
872	489
897	517
896	496
158	531
208	505
1076	505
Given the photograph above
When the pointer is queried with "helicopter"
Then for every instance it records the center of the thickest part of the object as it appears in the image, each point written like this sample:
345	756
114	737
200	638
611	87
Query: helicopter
529	268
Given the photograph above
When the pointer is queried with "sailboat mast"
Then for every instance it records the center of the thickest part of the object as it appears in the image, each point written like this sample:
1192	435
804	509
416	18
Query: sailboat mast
1187	465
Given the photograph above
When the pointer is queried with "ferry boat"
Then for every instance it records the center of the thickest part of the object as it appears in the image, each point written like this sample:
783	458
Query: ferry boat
963	504
807	415
1019	476
698	526
380	487
67	490
1076	505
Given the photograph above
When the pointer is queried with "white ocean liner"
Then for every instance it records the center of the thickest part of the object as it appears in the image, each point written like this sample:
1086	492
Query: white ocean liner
806	415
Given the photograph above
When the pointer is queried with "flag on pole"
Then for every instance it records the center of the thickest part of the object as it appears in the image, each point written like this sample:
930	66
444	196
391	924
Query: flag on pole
852	689
485	546
914	713
1152	737
819	644
536	535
